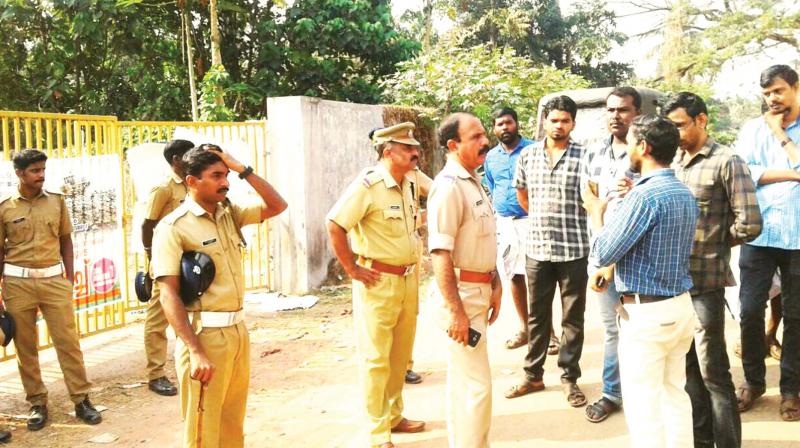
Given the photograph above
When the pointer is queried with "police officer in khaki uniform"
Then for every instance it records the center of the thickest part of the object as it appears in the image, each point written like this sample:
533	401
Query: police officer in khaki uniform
462	242
37	267
380	212
213	350
163	199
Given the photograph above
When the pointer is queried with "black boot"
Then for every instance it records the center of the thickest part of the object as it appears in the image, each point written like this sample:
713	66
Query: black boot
37	418
86	412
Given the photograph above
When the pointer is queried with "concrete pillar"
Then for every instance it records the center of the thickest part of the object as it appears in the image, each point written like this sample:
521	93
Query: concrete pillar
316	147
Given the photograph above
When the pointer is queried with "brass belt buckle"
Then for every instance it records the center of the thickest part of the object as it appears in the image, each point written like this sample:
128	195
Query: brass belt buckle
409	270
35	273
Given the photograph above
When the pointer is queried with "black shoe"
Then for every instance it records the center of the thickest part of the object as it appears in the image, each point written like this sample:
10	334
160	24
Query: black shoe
162	386
86	412
5	436
37	417
413	377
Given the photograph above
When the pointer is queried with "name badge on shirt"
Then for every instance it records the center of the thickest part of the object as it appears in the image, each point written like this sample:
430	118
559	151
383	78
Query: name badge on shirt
209	242
479	202
18	220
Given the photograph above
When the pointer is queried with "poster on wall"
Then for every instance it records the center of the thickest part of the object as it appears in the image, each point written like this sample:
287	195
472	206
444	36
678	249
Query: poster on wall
92	189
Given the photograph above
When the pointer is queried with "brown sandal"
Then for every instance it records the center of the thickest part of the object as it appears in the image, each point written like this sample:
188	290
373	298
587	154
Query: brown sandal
601	409
790	409
519	339
524	388
575	396
746	396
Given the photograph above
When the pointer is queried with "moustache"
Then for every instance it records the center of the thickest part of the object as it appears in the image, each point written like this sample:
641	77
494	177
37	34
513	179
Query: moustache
484	150
615	123
414	158
222	190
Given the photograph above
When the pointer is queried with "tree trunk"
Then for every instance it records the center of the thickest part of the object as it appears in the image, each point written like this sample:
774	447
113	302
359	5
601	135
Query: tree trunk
190	60
427	11
216	52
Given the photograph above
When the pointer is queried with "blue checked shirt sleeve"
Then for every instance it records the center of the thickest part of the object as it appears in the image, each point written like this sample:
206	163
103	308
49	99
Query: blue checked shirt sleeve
624	228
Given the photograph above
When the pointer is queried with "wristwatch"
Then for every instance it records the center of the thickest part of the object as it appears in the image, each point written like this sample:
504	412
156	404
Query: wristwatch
786	142
246	172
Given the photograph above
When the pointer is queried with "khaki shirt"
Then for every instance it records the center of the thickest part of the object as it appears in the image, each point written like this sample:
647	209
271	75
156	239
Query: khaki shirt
460	219
191	228
165	197
381	217
32	229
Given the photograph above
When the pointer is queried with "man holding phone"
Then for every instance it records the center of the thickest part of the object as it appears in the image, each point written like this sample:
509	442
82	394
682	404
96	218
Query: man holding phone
607	175
462	242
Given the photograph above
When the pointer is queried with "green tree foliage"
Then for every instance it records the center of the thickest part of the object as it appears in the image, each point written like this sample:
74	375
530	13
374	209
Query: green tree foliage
126	57
578	41
341	49
477	79
91	56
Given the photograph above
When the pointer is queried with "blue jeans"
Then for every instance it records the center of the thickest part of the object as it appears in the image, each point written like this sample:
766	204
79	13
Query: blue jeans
612	388
757	266
708	377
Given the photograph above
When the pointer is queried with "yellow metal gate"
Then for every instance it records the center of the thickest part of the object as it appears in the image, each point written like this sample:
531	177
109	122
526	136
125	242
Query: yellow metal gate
64	136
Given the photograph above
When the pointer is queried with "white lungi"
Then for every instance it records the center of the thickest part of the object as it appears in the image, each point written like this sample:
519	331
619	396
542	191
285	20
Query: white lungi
512	234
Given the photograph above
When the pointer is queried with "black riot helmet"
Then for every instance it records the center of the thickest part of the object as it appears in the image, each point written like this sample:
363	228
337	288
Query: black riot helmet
197	273
7	328
143	285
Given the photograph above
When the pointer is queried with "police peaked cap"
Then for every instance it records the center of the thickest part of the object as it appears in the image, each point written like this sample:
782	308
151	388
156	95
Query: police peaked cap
7	328
197	273
400	133
143	285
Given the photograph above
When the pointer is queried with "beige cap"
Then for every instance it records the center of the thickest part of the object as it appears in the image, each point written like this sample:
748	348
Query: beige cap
400	133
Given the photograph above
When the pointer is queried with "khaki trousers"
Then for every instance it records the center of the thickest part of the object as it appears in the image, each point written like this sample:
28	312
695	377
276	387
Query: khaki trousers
225	398
653	343
53	296
155	336
385	321
469	379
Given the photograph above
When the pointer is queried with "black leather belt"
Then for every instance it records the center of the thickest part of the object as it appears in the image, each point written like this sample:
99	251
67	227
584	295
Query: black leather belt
628	299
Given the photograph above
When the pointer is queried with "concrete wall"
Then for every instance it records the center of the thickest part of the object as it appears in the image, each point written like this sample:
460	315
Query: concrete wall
316	147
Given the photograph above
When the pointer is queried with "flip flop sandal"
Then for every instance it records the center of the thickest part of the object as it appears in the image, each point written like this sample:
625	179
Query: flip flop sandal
775	351
524	388
575	397
517	341
790	409
600	410
746	396
553	347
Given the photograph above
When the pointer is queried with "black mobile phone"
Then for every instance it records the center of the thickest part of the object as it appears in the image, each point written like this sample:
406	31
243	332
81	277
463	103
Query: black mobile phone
600	282
474	337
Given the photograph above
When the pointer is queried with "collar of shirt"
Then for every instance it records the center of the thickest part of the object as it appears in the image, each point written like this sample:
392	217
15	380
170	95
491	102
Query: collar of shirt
18	195
523	142
198	210
705	151
665	172
454	167
175	178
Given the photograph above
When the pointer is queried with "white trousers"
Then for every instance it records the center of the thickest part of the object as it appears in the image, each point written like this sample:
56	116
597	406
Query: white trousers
653	343
469	379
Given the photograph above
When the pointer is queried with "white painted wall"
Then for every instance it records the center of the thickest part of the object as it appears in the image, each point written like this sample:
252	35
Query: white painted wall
316	147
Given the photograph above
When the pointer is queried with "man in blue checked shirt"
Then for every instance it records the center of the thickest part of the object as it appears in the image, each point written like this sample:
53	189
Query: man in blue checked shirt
769	146
648	237
512	222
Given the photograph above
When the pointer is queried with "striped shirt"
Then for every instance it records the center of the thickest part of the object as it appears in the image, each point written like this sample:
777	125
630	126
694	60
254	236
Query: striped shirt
558	231
726	197
649	237
779	201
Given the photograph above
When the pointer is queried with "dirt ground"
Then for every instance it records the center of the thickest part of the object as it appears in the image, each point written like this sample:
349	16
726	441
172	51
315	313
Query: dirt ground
304	390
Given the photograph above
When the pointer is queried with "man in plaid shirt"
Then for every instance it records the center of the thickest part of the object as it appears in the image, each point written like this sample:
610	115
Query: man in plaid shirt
547	179
729	215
